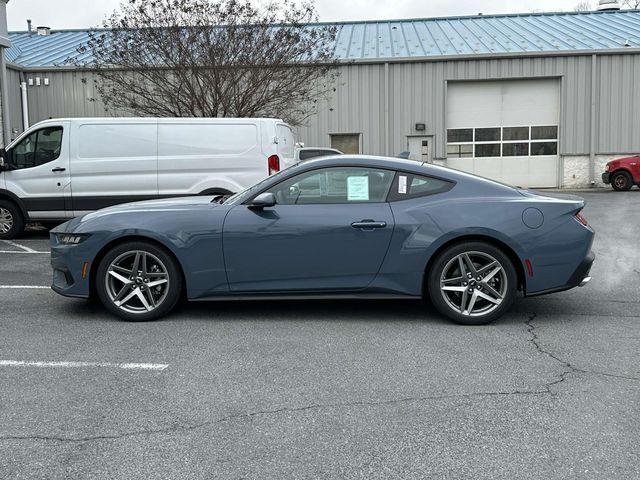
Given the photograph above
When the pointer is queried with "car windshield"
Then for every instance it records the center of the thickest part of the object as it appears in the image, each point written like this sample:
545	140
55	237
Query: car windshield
238	196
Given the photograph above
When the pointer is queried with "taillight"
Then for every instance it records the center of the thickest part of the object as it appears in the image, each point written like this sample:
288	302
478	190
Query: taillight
581	219
274	164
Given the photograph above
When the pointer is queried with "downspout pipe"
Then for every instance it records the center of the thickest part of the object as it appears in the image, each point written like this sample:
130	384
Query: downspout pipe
25	103
4	44
592	122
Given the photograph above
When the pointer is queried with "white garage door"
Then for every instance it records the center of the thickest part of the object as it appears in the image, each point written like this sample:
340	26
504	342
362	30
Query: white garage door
505	130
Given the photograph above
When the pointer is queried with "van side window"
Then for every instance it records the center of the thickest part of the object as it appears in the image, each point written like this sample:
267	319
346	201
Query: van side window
409	185
37	148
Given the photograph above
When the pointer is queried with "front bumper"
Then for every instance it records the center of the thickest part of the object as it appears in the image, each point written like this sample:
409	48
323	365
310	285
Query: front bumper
579	278
606	177
67	262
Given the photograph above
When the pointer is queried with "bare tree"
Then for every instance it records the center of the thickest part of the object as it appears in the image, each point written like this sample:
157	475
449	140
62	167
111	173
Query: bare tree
213	58
633	4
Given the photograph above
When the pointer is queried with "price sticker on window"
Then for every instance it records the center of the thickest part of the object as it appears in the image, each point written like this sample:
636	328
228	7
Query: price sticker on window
358	189
402	184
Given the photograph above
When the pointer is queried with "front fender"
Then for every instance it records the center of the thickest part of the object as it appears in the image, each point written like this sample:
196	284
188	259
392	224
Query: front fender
186	233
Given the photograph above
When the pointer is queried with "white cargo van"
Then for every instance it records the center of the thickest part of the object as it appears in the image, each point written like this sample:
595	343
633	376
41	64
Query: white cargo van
63	168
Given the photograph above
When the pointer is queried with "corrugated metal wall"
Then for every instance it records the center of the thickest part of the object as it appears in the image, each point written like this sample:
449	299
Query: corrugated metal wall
415	93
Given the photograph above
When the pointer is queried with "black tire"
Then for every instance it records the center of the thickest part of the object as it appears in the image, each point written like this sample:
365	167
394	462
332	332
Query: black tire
505	283
621	181
168	300
13	219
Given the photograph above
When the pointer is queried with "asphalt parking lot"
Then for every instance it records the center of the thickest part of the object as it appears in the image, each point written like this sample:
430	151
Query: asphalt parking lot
326	389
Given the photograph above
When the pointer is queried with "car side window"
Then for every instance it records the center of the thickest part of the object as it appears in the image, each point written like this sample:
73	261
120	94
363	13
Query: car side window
37	148
335	185
409	185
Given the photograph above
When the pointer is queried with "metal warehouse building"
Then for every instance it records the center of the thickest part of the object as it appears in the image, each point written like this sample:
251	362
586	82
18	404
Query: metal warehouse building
540	100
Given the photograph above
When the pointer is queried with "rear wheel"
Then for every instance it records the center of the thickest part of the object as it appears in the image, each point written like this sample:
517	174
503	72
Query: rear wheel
138	281
11	220
472	283
621	181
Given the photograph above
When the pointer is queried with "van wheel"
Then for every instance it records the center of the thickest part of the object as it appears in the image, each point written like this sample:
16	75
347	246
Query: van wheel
11	220
621	181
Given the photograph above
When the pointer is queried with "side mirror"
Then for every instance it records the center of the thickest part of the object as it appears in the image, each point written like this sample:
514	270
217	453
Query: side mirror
263	200
2	162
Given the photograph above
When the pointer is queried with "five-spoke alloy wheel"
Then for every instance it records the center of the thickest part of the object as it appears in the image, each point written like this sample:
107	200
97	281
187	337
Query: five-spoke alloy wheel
472	283
138	281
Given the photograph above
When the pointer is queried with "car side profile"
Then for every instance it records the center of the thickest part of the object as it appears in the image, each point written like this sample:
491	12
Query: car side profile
334	227
64	168
622	173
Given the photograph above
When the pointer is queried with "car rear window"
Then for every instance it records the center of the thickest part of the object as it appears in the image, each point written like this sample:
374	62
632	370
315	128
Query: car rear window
409	185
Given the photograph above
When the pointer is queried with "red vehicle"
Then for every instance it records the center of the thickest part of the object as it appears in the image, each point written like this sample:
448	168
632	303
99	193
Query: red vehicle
622	173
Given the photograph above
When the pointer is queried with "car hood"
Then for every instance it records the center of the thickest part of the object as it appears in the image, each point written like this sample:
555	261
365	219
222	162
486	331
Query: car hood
164	204
160	204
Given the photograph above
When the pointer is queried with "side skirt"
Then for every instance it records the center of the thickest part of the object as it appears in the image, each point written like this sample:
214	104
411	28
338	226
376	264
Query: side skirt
307	296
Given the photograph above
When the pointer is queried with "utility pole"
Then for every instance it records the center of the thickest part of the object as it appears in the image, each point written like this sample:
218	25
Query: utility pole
4	44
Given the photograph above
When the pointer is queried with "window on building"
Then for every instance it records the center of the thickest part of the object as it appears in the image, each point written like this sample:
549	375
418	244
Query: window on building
515	149
544	148
487	149
459	135
40	147
348	143
515	133
544	133
510	141
487	134
460	150
335	185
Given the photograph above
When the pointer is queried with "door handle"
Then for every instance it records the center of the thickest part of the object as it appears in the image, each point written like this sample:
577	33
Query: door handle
58	169
368	224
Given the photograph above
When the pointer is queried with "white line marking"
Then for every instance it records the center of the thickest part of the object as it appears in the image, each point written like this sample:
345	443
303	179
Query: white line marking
123	366
21	247
20	287
23	253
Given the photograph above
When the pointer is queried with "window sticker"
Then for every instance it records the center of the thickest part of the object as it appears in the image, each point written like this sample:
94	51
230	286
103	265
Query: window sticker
402	184
357	188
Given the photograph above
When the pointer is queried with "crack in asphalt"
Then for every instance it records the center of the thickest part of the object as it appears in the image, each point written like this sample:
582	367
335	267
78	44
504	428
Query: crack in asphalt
534	339
187	428
569	368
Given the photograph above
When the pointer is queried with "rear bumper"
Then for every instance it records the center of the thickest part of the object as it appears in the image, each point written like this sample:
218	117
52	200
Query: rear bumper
606	177
579	278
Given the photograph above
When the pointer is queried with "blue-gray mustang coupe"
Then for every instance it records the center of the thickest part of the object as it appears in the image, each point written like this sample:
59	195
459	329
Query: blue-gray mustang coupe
336	227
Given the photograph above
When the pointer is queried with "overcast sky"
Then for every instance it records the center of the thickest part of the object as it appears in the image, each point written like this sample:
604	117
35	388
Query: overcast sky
87	13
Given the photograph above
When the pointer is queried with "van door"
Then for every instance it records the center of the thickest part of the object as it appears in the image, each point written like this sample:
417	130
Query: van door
208	156
39	171
113	161
286	145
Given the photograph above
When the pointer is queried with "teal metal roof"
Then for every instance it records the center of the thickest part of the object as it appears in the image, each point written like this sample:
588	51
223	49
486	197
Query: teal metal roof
414	38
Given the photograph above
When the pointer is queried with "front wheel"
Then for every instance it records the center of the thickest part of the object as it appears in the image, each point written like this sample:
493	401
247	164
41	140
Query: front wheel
11	220
472	283
621	181
139	281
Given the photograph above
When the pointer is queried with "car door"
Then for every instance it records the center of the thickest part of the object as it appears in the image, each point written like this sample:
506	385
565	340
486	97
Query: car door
329	230
39	172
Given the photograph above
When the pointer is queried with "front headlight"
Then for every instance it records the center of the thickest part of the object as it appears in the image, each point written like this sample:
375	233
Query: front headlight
71	238
606	167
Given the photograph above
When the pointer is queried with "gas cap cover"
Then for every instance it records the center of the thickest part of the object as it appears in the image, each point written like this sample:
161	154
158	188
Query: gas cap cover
532	217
